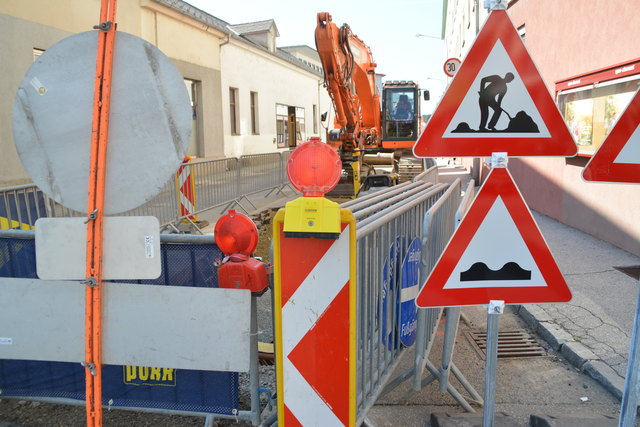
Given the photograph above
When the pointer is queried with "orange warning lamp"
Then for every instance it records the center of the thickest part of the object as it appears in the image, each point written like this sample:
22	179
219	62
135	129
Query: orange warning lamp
237	237
314	168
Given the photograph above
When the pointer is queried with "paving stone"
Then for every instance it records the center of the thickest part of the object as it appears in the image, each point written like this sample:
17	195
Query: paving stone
533	314
606	376
553	334
577	353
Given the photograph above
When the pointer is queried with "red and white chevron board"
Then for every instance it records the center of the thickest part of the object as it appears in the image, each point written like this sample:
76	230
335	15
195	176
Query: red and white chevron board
186	190
315	329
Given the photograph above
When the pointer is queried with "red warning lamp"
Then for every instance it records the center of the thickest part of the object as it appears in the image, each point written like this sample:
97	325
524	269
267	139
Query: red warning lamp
235	233
314	168
237	237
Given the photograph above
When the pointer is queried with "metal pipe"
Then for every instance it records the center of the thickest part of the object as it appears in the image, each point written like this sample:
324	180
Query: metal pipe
369	224
354	204
493	319
629	404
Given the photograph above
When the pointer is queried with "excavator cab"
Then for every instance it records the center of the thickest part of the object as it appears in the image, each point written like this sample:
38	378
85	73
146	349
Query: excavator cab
400	114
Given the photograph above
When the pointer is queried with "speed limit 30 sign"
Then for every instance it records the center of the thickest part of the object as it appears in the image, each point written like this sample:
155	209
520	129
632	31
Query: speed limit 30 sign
451	66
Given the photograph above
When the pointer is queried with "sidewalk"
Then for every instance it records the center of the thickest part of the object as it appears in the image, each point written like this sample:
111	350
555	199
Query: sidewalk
593	330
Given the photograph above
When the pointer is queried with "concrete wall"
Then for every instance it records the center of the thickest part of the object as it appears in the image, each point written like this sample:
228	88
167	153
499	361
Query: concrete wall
193	47
277	82
568	38
18	37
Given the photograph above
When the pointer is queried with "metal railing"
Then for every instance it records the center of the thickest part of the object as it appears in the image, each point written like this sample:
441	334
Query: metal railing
382	237
218	182
22	205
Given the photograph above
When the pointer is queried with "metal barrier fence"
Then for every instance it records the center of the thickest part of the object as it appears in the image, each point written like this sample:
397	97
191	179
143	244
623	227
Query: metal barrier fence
21	205
218	182
187	260
435	225
383	238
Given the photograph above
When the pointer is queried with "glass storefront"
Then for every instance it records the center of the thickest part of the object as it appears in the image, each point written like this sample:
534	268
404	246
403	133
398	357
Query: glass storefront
591	111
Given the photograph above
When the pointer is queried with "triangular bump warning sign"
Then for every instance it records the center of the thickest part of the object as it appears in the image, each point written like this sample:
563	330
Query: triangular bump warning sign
497	253
498	226
497	102
618	158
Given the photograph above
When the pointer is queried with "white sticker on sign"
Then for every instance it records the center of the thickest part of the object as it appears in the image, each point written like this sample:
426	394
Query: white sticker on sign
148	246
6	341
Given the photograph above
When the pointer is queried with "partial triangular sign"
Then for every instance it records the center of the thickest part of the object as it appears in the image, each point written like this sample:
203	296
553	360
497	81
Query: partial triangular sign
618	158
497	102
497	253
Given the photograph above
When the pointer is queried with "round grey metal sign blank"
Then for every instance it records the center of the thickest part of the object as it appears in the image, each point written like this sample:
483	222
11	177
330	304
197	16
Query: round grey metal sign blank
149	122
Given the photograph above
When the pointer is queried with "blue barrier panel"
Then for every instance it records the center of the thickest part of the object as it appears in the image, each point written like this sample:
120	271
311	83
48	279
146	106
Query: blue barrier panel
125	386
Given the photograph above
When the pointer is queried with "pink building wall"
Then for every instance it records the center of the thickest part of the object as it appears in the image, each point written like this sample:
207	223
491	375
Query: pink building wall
567	38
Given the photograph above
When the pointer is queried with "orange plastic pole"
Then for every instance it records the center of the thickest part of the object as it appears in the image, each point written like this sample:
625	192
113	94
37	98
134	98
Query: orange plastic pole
97	173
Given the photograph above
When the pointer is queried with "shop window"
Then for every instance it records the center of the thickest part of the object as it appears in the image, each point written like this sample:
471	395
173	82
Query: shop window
590	112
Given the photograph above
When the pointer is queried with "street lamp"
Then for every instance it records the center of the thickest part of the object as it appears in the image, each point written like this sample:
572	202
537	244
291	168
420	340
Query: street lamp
428	36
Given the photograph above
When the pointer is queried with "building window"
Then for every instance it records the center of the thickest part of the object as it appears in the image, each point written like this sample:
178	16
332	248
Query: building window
193	88
315	119
591	111
522	31
290	126
37	53
300	130
282	130
255	129
233	111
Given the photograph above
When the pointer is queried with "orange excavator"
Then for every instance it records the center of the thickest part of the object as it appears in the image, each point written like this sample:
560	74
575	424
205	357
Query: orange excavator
372	135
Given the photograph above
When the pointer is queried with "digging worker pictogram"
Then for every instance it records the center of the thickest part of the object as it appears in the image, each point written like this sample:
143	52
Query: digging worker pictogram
492	90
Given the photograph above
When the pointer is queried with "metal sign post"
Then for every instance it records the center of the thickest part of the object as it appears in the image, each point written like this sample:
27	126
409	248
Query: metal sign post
95	209
629	408
496	308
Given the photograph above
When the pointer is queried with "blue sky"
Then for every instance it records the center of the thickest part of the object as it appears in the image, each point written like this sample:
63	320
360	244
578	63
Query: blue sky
388	27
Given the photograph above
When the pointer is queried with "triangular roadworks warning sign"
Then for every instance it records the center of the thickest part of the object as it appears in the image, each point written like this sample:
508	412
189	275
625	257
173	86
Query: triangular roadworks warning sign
497	102
618	158
497	253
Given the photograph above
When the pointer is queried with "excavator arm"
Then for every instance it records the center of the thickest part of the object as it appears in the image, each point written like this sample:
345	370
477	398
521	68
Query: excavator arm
349	72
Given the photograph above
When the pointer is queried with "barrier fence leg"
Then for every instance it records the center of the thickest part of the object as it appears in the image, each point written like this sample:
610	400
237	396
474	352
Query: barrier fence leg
450	331
495	310
629	407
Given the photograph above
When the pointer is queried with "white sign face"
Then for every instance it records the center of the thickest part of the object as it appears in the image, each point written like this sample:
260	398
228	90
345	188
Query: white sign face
486	254
630	153
451	66
509	111
130	249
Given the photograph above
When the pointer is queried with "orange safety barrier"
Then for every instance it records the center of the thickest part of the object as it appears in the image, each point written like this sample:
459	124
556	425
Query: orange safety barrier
186	190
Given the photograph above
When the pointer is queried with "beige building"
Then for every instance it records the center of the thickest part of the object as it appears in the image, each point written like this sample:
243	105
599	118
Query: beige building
588	58
274	90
